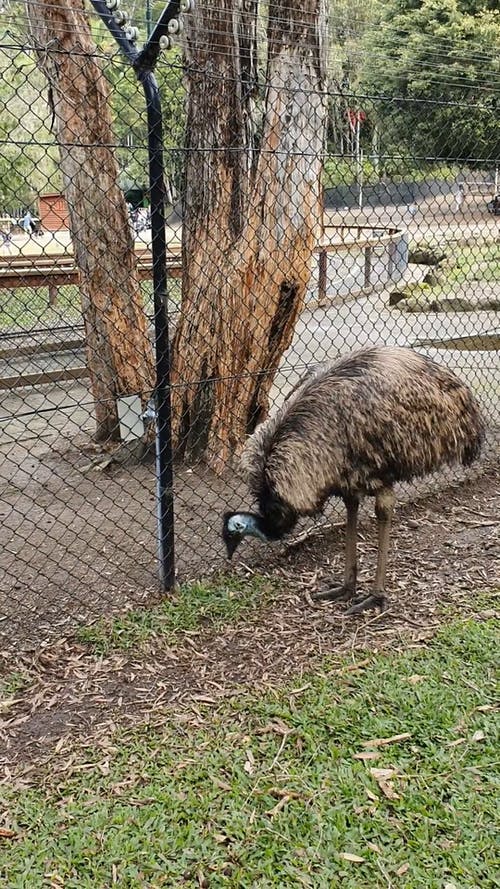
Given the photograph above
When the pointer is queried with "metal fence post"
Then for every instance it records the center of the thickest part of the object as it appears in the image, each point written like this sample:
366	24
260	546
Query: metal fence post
164	457
144	63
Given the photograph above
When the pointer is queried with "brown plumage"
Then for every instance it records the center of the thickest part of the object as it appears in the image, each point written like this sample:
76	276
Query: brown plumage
351	428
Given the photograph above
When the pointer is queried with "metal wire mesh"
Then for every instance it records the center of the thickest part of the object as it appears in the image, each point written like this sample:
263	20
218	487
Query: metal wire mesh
405	251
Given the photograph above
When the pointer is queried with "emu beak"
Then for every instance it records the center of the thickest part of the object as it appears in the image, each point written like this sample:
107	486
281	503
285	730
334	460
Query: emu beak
232	544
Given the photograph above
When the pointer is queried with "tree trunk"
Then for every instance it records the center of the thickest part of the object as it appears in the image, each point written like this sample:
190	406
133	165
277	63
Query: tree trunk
240	317
119	353
220	61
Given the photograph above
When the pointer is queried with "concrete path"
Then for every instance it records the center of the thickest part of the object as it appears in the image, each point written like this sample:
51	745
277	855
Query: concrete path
62	409
325	333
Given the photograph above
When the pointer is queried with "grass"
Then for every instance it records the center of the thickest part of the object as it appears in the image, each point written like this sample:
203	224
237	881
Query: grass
267	791
468	266
28	307
475	264
13	684
10	686
480	263
224	600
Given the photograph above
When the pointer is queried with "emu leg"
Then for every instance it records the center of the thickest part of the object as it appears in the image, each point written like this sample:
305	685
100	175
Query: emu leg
384	507
348	588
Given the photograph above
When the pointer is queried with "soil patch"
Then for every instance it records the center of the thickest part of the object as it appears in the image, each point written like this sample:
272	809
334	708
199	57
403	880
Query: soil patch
445	552
81	543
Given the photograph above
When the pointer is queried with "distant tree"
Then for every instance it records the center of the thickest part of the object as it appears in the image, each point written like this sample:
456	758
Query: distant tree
29	156
119	353
446	52
129	120
252	215
348	21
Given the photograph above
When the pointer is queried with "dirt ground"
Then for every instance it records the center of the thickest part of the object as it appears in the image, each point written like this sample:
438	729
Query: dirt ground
81	542
446	551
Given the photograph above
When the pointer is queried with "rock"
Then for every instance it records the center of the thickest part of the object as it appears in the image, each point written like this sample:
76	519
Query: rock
405	292
431	278
469	304
426	255
421	302
428	302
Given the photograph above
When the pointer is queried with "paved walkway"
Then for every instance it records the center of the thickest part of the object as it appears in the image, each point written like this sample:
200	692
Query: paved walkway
325	333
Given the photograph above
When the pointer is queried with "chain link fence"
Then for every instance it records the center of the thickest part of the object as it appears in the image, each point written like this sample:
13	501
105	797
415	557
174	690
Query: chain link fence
284	248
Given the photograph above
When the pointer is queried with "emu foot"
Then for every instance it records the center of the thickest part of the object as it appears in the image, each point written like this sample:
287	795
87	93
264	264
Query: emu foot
335	593
375	600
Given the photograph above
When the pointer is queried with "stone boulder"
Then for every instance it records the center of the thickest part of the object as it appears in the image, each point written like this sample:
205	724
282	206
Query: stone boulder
425	254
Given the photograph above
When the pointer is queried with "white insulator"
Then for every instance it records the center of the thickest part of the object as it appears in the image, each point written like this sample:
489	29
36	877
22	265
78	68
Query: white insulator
173	26
132	33
165	42
121	17
186	5
181	27
112	4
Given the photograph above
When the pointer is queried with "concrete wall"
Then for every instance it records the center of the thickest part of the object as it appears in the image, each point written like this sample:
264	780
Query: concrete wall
354	268
386	193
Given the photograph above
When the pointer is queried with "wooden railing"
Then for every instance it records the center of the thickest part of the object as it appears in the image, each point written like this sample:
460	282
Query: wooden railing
52	271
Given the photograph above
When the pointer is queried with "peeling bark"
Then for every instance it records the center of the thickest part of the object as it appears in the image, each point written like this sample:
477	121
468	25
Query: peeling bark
245	284
119	353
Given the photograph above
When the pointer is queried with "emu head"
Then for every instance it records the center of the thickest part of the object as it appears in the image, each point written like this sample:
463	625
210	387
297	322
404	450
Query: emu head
236	526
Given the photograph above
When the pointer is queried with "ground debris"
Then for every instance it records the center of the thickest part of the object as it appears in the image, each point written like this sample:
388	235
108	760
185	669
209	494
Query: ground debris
73	694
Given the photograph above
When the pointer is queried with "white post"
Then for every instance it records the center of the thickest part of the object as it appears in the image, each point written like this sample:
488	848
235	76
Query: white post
359	164
376	149
360	178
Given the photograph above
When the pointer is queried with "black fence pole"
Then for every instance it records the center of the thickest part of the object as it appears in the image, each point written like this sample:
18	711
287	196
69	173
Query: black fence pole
164	458
143	63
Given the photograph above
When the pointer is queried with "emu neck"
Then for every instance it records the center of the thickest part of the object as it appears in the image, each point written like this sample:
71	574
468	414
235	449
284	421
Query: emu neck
276	519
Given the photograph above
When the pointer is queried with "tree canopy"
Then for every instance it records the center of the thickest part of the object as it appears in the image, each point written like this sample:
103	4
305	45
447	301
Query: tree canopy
425	73
439	63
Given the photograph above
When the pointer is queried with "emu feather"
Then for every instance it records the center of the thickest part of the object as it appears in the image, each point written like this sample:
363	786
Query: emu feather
351	428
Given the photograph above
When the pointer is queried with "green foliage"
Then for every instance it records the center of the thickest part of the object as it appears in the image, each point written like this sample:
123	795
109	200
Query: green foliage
439	61
345	171
267	791
348	20
130	123
28	156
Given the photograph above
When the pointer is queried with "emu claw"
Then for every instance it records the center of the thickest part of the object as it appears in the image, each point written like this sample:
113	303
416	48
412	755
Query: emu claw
373	601
334	594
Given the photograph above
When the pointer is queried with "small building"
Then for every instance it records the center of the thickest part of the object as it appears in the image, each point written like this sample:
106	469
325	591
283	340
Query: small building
54	214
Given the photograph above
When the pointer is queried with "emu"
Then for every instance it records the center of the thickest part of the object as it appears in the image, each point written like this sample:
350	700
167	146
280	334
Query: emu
351	428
